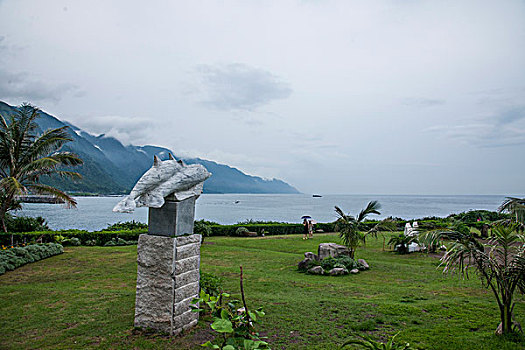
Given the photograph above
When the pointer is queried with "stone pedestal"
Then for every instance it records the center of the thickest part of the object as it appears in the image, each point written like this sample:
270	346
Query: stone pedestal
174	218
167	281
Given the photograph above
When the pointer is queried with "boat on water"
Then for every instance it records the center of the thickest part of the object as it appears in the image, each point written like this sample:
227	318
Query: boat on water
316	195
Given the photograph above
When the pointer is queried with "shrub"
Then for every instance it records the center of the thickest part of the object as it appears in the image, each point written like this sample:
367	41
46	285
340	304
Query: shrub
202	228
71	242
210	284
118	242
128	225
25	224
341	261
99	237
13	258
241	231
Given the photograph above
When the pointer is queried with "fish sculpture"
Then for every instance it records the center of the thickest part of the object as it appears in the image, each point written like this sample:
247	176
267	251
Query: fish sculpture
164	178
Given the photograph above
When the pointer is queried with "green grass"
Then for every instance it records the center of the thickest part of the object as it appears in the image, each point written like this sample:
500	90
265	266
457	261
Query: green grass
85	298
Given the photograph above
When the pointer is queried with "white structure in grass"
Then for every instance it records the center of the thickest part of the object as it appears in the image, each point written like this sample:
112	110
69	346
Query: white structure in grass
411	231
164	178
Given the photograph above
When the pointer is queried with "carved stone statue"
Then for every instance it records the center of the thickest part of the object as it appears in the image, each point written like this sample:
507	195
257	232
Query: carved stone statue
168	257
164	178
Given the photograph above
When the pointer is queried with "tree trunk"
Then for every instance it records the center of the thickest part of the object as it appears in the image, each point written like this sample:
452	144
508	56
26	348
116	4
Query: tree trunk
506	318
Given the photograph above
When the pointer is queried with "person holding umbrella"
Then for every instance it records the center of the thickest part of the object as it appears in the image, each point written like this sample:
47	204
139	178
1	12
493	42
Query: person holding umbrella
306	226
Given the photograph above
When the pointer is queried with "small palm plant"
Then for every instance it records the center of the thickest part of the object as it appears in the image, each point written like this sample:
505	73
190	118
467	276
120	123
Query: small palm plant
500	265
351	228
401	242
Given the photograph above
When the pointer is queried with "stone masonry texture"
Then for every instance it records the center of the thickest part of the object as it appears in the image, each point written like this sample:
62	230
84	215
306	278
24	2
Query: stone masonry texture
167	282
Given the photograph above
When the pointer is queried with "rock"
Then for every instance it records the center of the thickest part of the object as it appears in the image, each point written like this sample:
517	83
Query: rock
337	271
354	271
316	270
332	249
303	265
363	263
311	255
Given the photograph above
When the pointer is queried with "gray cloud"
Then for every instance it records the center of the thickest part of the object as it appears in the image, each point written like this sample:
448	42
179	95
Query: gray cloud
423	102
129	130
506	128
511	115
240	87
24	86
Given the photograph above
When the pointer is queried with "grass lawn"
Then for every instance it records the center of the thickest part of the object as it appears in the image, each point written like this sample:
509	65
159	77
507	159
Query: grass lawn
85	298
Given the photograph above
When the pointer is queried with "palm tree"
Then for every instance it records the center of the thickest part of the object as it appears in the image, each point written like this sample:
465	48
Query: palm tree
515	206
500	265
25	156
350	228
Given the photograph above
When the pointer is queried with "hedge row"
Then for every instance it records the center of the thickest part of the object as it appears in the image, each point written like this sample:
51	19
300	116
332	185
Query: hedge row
99	238
105	237
13	258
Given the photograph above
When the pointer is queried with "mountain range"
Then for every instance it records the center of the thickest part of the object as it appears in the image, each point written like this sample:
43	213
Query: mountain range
112	168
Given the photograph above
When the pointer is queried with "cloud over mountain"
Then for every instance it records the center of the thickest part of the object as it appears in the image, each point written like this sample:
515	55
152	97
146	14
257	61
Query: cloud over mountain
239	86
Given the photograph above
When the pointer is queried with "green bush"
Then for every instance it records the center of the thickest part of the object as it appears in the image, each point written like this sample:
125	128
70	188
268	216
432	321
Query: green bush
99	237
475	215
241	231
71	242
202	228
210	284
128	225
118	242
25	224
13	258
341	261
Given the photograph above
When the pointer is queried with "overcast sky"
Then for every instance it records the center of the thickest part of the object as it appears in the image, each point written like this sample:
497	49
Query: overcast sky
368	97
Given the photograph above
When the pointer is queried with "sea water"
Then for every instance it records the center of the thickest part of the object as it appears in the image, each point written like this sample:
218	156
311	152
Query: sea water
95	213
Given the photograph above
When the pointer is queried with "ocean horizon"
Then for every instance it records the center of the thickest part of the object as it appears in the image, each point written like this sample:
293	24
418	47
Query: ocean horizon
95	213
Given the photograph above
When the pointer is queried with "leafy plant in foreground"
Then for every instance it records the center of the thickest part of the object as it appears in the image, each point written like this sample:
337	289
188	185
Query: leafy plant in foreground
235	324
500	265
210	284
368	343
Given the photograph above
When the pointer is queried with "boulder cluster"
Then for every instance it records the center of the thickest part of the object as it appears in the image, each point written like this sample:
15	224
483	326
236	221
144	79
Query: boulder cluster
330	250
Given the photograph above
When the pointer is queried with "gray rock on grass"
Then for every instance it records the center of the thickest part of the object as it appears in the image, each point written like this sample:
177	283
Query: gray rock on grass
363	263
338	271
303	264
316	270
311	255
333	250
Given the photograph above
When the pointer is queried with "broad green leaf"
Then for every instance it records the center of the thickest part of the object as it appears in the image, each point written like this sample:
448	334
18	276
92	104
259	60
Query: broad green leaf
252	316
260	312
208	344
222	326
225	315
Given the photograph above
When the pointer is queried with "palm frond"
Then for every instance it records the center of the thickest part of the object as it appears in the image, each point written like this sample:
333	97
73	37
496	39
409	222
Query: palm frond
11	186
372	208
49	142
45	189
